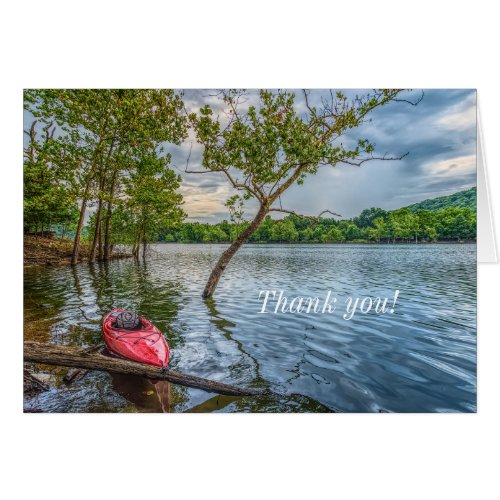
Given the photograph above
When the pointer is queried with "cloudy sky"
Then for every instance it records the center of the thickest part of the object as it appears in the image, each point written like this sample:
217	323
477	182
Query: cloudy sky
439	134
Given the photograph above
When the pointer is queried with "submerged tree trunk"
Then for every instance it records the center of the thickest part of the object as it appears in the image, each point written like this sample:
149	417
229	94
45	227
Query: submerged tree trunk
97	232
107	233
99	241
233	248
135	251
144	242
135	247
76	243
108	248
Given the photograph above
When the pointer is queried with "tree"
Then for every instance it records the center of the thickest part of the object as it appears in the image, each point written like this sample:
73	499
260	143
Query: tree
263	232
47	199
264	150
215	234
100	129
151	199
306	234
236	213
352	232
332	235
405	226
284	231
457	223
368	215
426	223
380	230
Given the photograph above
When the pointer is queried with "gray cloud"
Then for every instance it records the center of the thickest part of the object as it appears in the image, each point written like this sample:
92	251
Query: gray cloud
439	134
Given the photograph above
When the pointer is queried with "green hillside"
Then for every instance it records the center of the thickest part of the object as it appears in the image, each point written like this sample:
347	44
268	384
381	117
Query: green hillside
461	199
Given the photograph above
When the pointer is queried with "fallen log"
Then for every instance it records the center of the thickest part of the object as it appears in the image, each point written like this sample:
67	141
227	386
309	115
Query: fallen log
77	358
78	373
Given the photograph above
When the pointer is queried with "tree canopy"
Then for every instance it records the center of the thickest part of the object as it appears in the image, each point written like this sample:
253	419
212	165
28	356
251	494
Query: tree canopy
102	136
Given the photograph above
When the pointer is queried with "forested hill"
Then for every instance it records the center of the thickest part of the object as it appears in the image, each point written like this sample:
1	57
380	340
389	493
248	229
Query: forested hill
461	199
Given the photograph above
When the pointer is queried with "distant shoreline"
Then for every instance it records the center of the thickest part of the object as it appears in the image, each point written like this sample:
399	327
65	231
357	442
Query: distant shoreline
397	243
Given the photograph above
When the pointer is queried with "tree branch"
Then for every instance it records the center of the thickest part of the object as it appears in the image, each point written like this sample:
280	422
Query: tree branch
364	160
413	103
237	185
311	217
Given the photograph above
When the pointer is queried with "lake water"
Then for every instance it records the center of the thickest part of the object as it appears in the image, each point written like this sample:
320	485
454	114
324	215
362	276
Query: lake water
421	358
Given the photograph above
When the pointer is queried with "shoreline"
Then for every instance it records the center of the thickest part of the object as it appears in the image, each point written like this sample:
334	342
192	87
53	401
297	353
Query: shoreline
44	251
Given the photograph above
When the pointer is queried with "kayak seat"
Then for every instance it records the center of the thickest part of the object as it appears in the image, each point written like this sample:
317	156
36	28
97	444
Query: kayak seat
127	321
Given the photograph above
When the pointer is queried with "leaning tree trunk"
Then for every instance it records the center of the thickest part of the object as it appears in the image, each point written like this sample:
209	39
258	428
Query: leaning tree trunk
229	253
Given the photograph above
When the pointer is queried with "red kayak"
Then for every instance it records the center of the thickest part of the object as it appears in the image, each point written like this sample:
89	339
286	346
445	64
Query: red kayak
134	337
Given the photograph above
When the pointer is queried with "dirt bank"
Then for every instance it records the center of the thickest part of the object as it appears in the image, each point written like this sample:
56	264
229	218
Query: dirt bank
51	251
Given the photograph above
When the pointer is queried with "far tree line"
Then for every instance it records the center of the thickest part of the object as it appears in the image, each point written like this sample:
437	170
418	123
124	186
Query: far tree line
373	225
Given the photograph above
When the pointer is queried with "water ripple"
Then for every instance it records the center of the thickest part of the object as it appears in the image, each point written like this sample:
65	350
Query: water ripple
421	358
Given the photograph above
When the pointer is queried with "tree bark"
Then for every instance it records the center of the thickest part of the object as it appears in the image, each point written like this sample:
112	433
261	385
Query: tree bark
136	245
76	243
233	248
78	358
135	250
97	232
105	254
99	241
107	234
144	244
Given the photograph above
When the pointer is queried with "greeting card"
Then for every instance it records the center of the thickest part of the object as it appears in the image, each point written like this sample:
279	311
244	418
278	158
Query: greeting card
255	250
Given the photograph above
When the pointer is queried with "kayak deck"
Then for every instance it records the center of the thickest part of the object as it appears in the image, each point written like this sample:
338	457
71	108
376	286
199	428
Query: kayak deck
145	345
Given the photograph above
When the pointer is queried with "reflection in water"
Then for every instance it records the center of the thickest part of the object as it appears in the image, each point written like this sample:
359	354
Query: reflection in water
163	393
144	394
139	391
422	358
247	360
